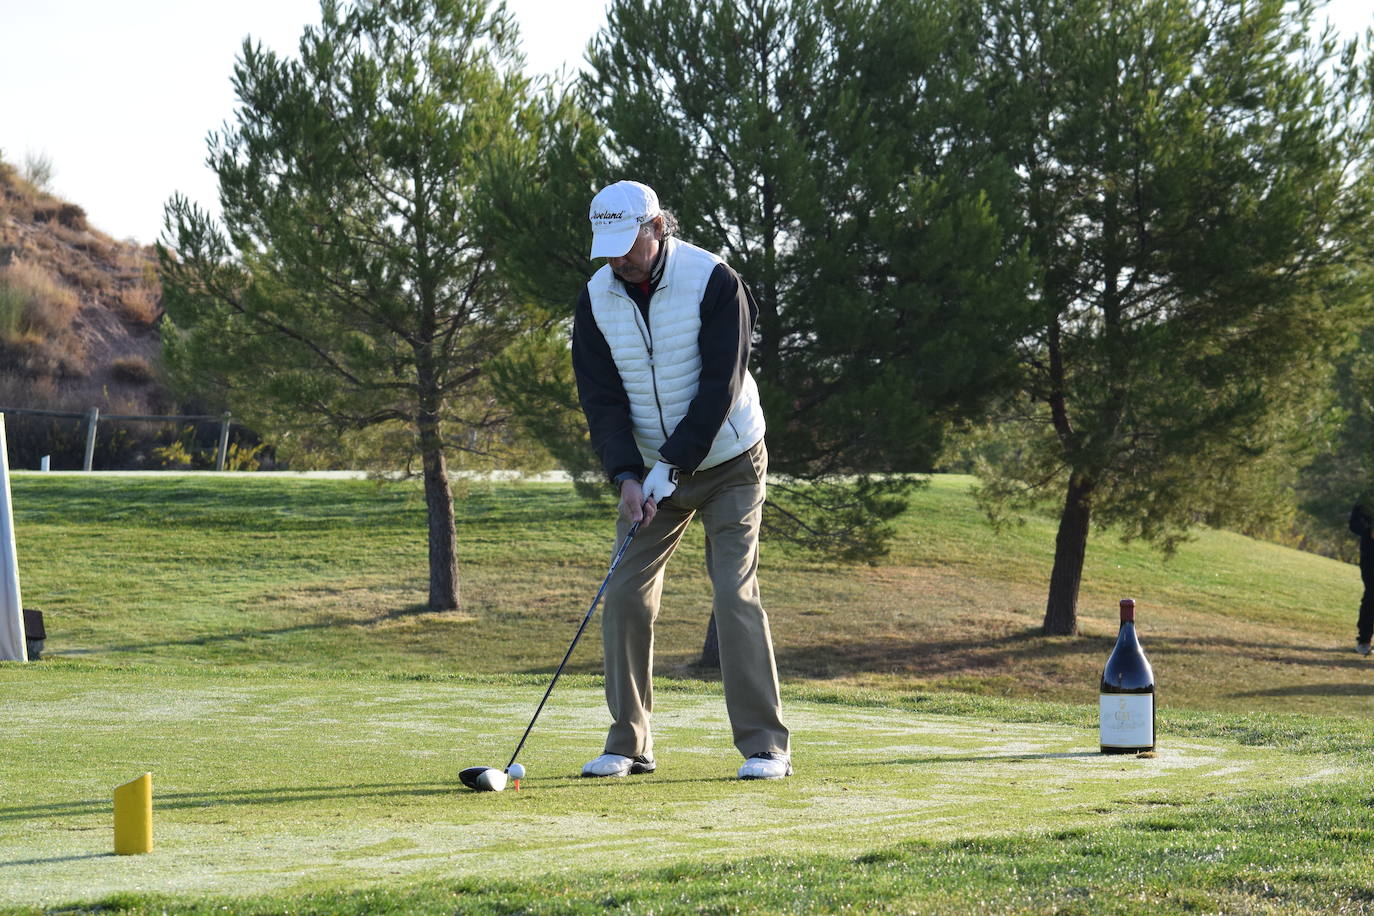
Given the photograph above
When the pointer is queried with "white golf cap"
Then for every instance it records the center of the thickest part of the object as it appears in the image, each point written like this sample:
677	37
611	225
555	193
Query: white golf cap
617	213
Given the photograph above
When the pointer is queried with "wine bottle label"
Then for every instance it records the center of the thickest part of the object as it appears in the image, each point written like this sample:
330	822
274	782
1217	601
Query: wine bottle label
1128	720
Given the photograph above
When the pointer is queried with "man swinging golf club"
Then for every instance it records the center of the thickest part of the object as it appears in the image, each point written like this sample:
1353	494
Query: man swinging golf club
660	349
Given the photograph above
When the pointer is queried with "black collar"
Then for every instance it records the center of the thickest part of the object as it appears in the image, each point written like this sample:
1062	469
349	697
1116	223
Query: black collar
660	262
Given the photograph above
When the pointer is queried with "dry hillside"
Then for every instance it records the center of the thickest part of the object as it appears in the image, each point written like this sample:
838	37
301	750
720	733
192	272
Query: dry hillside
78	310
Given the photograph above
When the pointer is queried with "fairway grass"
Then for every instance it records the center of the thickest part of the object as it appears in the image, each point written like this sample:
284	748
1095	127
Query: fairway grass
271	573
268	786
261	646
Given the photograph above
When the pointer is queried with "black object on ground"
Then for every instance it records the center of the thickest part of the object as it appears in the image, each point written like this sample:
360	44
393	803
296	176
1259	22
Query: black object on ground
34	633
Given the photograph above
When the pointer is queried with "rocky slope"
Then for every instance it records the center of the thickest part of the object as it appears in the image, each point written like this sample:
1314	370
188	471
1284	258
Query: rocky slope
78	310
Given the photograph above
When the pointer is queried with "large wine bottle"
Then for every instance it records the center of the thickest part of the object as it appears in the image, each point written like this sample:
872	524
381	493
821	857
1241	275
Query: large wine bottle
1127	700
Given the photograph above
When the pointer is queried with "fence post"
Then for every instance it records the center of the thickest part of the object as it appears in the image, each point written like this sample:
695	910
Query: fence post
92	418
223	442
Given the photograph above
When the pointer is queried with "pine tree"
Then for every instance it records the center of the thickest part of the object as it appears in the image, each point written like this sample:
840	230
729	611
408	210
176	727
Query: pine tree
351	285
1194	185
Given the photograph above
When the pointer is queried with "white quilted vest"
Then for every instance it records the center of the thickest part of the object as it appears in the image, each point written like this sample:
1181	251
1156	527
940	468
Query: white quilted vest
660	363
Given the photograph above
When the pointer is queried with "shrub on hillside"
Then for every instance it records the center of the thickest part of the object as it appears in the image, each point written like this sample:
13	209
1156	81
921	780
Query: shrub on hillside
85	275
138	305
18	186
38	357
32	301
134	370
11	312
38	171
69	215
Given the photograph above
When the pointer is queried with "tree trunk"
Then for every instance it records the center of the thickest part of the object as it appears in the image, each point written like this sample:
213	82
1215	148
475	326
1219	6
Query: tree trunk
443	537
1070	546
710	650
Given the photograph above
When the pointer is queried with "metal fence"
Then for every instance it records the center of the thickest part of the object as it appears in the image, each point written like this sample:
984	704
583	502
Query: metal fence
93	417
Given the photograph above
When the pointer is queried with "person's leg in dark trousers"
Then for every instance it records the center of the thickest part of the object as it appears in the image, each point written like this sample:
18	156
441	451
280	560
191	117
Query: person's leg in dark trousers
1365	627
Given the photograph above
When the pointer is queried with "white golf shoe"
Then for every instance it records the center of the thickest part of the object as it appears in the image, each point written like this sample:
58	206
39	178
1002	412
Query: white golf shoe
1362	648
766	765
618	765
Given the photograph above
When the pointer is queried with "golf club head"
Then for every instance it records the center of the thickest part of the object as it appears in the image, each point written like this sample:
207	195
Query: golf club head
483	779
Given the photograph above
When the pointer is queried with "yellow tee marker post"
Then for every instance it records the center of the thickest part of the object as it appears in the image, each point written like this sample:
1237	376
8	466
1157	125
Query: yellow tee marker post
133	816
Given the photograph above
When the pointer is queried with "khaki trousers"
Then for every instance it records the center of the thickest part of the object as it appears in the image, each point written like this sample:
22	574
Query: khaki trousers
729	498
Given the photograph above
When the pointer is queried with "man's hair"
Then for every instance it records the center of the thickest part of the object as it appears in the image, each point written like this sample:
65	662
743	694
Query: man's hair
669	224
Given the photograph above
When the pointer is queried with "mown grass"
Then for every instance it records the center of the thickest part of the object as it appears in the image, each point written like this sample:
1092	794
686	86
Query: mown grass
291	794
282	573
1298	851
304	715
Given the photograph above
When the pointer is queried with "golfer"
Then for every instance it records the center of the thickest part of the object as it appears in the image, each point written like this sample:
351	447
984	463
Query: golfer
660	349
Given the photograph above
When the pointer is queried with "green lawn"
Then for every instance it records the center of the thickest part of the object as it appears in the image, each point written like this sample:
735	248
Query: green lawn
288	573
261	646
272	787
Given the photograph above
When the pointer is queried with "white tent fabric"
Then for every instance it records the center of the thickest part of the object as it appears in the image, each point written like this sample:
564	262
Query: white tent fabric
12	645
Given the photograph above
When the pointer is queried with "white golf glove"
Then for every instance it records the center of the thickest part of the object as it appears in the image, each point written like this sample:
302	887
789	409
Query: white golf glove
661	482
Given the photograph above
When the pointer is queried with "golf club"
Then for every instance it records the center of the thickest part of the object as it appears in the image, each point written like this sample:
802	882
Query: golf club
490	779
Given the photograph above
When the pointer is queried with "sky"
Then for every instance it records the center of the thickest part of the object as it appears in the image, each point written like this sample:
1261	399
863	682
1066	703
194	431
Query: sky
119	95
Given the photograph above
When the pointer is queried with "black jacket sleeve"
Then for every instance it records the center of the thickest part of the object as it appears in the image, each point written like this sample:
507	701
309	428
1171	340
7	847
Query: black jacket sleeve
728	313
602	395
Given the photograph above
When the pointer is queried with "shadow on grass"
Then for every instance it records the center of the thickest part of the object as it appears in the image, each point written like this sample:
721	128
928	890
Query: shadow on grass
1319	656
611	783
989	758
282	796
933	658
273	796
1020	650
1312	690
412	610
249	503
55	859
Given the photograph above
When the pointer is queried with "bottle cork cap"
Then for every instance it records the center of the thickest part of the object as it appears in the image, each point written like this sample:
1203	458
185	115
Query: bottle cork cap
1127	610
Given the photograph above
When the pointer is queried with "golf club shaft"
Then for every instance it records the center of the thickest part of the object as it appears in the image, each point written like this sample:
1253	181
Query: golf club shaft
615	561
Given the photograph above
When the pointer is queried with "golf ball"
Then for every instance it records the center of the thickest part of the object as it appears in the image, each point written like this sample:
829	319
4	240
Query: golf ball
516	771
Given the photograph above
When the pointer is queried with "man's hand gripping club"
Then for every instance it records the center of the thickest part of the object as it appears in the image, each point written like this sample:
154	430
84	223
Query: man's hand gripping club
639	502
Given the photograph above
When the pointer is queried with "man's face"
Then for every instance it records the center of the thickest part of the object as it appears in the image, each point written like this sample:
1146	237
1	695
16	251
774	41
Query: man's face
634	265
